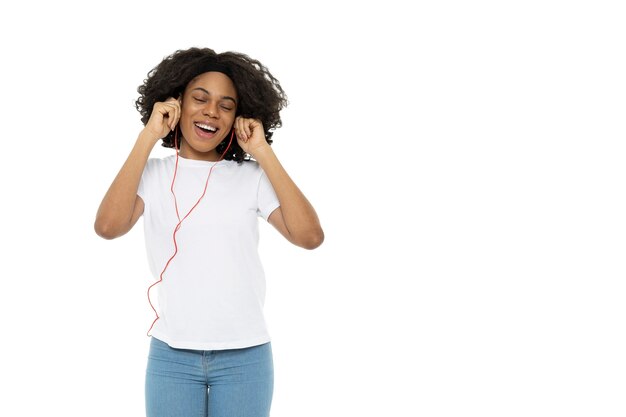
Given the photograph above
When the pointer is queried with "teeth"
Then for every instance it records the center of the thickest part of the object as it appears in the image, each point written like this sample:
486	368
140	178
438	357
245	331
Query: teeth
206	127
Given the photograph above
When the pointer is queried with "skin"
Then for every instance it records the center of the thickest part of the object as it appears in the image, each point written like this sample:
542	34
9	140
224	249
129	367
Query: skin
210	98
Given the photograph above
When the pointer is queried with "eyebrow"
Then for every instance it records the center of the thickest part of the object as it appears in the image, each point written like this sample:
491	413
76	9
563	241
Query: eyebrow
223	97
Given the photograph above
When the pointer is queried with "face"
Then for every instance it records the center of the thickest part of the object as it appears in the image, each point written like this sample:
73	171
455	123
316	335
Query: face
209	105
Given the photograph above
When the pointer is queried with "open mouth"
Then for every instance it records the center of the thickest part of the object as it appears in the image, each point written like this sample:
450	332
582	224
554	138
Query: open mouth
205	130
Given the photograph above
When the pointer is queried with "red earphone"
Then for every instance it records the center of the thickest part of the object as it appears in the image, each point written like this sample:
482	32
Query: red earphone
180	221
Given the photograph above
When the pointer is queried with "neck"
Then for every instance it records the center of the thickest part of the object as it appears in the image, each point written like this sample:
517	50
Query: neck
188	152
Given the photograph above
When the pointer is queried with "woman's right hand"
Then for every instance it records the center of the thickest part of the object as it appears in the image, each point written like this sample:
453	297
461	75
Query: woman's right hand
164	118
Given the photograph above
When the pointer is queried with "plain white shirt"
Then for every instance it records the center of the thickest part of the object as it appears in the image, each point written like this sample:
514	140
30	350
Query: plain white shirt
213	291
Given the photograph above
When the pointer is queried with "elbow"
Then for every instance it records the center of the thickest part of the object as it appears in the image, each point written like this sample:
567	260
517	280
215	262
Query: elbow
105	230
313	240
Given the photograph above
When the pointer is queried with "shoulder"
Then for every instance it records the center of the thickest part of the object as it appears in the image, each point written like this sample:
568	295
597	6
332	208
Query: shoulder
246	168
247	174
158	164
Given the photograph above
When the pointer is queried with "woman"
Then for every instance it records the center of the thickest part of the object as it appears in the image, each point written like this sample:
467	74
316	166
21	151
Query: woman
210	351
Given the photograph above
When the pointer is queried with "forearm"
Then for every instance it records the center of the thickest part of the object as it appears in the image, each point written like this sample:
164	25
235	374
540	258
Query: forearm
299	216
116	209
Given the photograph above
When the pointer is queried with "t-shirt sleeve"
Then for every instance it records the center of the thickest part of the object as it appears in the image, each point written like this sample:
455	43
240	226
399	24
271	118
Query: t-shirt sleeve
266	197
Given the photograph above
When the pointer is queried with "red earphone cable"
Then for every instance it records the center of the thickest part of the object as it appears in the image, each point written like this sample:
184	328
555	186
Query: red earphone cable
180	221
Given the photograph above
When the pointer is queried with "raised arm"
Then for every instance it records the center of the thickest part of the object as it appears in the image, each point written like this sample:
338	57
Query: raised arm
121	207
296	218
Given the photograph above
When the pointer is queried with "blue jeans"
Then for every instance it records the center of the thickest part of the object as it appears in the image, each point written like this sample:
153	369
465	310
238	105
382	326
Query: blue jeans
214	383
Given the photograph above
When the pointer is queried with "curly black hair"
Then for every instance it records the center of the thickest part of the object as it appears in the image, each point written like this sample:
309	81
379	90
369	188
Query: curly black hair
260	94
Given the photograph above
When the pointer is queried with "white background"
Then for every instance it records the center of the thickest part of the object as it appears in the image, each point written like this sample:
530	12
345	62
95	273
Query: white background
466	160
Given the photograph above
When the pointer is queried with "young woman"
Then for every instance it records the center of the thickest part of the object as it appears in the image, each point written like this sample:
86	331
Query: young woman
210	351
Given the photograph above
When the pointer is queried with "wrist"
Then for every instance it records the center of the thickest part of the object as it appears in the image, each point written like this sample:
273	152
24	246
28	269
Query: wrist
262	153
148	137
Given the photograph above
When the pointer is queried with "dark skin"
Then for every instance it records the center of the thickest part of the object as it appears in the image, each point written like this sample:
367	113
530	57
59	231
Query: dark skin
206	113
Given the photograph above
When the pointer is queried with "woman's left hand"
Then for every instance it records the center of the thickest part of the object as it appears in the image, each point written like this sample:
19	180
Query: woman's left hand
250	134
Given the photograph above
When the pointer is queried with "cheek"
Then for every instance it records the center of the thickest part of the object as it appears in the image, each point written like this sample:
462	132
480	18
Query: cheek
186	118
185	124
186	112
229	119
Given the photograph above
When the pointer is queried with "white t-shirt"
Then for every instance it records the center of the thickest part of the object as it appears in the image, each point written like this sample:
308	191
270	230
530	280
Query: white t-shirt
213	291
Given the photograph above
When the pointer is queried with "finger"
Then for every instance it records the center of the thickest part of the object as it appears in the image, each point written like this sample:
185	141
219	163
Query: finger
243	129
166	111
172	110
248	127
240	128
177	103
177	114
180	109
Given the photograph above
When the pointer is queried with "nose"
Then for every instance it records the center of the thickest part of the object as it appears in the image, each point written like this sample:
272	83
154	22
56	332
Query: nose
210	109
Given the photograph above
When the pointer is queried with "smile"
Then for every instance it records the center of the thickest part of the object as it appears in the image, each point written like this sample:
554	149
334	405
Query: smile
205	131
206	127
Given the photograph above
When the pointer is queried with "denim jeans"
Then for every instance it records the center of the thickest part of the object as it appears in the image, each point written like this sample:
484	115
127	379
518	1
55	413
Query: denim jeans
214	383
